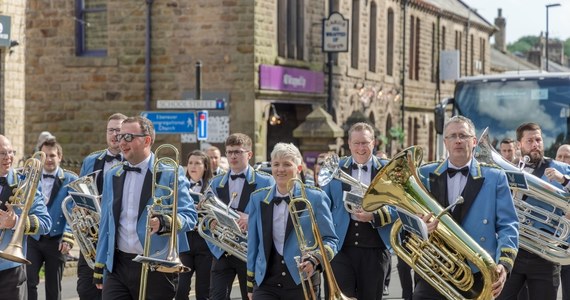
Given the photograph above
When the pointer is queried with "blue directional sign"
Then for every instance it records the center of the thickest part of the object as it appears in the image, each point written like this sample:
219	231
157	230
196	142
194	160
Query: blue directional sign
202	133
166	122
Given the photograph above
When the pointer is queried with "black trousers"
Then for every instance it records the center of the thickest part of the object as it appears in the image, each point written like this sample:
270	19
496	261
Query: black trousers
424	291
86	289
13	283
360	272
124	281
268	292
406	281
224	270
541	276
565	280
199	260
45	251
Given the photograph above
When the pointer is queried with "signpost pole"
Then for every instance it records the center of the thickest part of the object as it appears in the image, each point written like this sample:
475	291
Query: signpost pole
199	89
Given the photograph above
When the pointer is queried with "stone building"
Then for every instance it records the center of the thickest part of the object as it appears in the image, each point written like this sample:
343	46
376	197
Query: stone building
87	59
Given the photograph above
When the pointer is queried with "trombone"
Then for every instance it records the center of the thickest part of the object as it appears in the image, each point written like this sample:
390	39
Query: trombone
23	197
166	260
299	208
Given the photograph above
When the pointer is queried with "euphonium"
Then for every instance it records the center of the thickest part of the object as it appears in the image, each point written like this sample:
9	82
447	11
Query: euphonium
305	210
226	234
166	260
23	197
551	245
83	212
443	259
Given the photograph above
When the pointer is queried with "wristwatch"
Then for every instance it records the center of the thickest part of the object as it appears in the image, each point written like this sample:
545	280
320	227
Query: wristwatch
566	180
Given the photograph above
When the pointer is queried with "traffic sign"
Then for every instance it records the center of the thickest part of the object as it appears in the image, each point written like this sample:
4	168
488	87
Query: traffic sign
218	104
171	122
202	133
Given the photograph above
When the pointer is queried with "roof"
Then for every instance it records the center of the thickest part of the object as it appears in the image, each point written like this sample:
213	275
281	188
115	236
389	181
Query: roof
503	62
459	8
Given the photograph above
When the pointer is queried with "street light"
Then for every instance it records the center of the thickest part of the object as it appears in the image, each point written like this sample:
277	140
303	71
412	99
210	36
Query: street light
547	7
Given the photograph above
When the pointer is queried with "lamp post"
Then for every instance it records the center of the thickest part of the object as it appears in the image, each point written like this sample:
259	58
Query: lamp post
546	46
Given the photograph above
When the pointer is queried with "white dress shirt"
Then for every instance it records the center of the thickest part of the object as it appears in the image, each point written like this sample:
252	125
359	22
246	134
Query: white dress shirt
280	215
47	185
455	184
235	187
109	164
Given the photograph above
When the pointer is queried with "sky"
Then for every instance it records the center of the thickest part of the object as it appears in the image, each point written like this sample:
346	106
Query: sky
527	17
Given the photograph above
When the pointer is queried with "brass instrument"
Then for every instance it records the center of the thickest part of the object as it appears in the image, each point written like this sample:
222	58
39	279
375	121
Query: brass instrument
82	211
551	245
331	170
305	210
23	197
444	258
166	260
226	234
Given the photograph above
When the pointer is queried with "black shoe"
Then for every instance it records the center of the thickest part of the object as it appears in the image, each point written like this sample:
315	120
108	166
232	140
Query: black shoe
386	291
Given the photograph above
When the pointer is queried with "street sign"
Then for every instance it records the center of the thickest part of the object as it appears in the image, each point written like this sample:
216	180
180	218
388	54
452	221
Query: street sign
166	122
202	133
335	33
218	104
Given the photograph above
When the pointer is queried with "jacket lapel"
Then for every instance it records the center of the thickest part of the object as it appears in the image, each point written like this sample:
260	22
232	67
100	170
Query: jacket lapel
470	192
146	191
438	187
118	182
267	224
54	190
99	165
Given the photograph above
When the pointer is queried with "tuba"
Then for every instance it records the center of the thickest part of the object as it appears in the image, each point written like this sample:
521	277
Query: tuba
444	258
82	211
549	244
23	197
166	260
331	170
227	234
297	214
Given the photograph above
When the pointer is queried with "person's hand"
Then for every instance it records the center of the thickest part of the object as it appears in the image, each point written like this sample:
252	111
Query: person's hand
501	279
430	224
154	225
7	217
250	296
307	267
242	221
363	216
553	175
64	247
99	286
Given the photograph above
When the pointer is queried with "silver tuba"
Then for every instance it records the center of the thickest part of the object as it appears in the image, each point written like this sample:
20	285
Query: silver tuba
551	245
83	212
331	170
226	234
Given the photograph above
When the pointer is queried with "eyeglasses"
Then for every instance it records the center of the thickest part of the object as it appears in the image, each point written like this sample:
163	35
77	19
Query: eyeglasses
4	154
128	137
235	152
361	144
113	130
460	136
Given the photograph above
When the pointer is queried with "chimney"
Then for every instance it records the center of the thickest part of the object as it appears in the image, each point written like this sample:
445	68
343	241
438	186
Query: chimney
501	35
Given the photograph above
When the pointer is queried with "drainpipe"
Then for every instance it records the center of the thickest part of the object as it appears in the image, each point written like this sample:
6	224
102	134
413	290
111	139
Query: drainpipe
148	43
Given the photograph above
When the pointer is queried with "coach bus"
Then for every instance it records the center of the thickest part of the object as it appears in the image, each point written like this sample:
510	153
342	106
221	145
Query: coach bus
504	101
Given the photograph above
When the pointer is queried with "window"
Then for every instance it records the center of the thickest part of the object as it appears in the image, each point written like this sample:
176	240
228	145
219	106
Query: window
458	39
390	44
482	54
291	29
472	56
355	34
414	59
434	52
372	38
91	27
443	38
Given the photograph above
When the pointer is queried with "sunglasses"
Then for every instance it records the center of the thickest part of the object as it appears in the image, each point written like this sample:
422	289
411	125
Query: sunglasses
128	137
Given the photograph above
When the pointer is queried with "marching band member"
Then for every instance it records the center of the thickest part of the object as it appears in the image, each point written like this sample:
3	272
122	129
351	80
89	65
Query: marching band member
101	160
234	189
487	213
13	274
361	264
215	156
272	242
52	247
123	229
199	258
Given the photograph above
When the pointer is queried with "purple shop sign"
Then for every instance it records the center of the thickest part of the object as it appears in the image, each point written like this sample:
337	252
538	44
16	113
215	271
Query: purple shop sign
290	79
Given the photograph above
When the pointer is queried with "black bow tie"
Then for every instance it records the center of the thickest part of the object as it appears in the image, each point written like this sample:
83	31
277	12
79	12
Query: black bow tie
129	168
452	171
234	177
193	184
3	181
110	158
364	167
278	200
48	176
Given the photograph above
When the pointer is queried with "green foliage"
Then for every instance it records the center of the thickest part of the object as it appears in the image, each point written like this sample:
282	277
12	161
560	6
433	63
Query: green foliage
524	44
567	47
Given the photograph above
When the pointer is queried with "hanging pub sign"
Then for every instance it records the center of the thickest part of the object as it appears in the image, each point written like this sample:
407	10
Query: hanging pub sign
335	33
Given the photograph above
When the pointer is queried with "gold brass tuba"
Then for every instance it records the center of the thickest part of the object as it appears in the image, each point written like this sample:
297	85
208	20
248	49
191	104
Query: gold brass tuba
23	197
226	234
443	259
307	212
166	260
551	245
83	212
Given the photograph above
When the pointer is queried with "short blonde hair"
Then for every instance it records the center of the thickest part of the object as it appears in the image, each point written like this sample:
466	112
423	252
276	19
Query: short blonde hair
287	150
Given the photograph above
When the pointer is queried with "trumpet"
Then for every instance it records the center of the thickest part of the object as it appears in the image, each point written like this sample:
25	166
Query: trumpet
23	197
300	208
166	260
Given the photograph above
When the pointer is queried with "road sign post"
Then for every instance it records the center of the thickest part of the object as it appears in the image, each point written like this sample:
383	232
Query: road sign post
202	133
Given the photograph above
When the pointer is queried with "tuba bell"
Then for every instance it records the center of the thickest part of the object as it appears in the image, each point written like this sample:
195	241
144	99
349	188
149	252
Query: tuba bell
297	214
82	211
23	198
551	243
444	258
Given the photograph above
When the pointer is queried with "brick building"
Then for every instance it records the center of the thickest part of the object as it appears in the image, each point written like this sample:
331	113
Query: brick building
86	59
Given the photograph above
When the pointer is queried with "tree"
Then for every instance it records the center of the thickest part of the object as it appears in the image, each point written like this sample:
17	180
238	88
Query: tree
567	47
523	44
